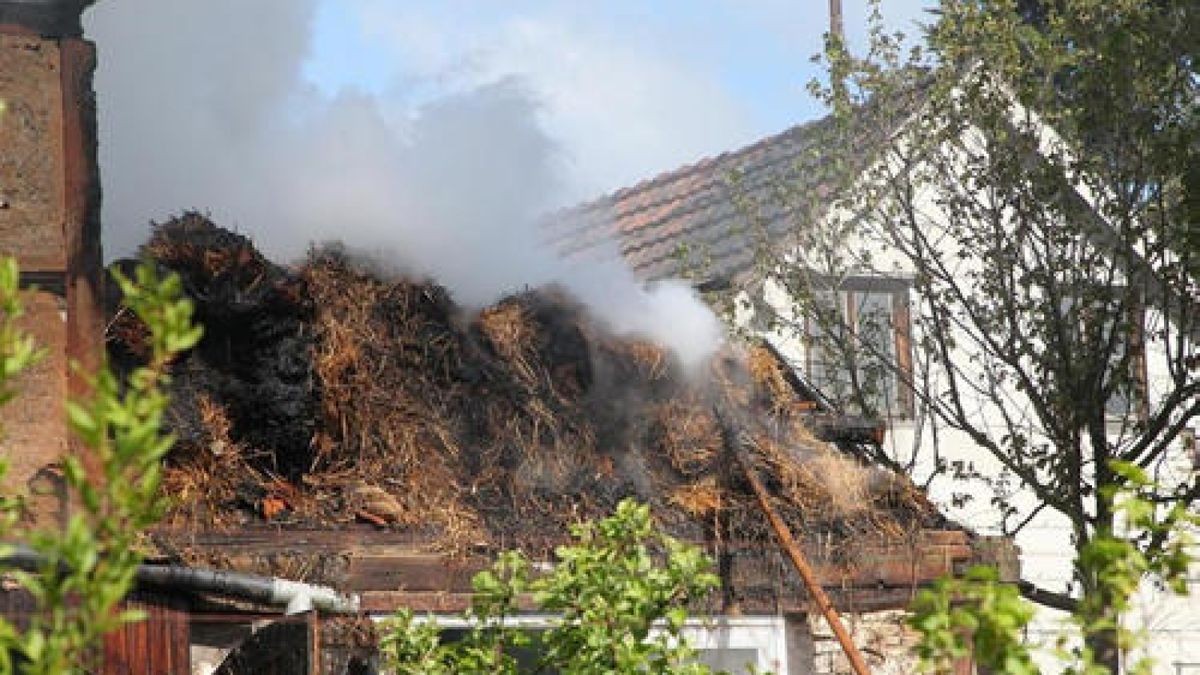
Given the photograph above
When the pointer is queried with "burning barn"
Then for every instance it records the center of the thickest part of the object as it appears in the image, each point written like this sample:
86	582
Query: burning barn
347	427
351	441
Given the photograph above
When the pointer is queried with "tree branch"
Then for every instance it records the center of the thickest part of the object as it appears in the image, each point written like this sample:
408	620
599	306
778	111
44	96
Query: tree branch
1047	598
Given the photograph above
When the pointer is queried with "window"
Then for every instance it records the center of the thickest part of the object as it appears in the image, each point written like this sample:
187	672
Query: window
1100	323
858	346
1129	399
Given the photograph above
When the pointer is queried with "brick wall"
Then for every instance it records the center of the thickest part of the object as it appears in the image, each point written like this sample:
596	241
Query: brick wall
31	164
49	220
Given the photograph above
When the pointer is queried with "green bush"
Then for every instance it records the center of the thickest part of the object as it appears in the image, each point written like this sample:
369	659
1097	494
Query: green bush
618	595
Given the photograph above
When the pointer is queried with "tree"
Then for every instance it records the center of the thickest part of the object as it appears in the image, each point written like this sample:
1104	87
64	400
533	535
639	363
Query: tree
619	596
1032	169
87	567
977	615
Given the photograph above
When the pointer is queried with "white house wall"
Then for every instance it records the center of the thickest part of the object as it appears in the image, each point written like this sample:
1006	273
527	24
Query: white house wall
740	644
1047	553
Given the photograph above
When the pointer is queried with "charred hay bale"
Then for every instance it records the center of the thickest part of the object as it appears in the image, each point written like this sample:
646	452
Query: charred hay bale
500	428
209	481
221	270
396	371
770	380
701	499
509	330
388	356
623	395
529	424
255	355
581	413
819	490
688	434
540	336
126	338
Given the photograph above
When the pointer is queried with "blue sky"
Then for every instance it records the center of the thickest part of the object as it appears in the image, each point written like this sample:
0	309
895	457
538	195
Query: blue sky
688	78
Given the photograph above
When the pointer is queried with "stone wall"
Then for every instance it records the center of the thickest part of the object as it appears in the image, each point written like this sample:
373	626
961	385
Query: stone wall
884	638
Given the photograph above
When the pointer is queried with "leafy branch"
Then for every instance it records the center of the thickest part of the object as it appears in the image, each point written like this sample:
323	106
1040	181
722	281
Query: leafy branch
618	594
87	568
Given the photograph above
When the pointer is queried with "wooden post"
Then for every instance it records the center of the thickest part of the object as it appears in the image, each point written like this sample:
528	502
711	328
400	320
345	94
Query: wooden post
801	564
835	21
314	642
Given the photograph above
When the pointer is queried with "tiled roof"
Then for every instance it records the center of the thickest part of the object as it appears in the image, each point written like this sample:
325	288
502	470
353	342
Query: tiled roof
705	220
708	221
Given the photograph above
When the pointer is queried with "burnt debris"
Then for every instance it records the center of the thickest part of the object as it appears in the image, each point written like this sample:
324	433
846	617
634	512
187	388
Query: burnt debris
254	360
332	393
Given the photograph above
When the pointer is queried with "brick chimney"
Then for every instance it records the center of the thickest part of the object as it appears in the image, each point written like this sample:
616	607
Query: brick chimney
49	220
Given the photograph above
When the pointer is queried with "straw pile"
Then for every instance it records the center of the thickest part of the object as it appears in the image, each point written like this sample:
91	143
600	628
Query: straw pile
333	393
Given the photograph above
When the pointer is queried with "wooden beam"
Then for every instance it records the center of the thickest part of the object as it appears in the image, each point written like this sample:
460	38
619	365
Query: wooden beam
801	564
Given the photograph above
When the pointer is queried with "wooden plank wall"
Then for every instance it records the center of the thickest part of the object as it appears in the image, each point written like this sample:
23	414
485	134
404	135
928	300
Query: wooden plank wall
157	646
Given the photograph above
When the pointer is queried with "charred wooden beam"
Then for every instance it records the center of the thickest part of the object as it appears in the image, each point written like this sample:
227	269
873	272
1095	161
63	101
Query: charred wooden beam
800	562
386	564
836	428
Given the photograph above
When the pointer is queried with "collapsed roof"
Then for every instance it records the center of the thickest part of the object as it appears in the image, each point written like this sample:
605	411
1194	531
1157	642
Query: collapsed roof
335	395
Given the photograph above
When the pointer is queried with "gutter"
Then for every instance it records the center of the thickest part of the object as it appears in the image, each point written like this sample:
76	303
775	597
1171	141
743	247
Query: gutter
296	597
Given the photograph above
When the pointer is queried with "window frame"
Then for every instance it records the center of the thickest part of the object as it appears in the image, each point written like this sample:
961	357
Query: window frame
850	290
1138	404
1137	408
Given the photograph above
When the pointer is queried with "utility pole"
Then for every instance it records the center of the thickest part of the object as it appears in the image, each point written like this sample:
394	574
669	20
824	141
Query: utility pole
835	21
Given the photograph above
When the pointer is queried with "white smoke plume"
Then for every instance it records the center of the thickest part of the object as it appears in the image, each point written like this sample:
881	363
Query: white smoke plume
203	106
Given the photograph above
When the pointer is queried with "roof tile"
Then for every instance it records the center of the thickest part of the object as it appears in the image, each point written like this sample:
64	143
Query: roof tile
693	209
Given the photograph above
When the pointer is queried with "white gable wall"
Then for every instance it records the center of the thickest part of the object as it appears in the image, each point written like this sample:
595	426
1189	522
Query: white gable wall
1047	553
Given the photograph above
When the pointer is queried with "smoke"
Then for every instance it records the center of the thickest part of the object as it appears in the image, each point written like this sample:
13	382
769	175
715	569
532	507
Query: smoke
204	106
